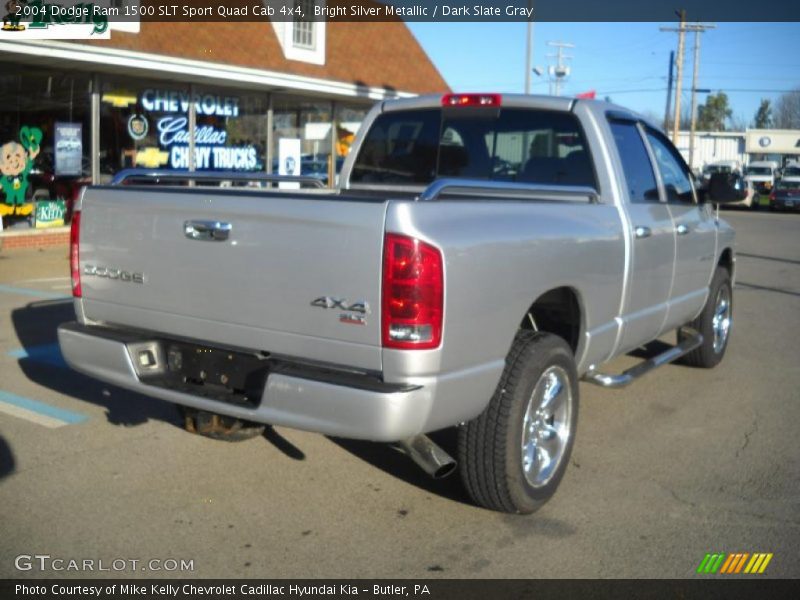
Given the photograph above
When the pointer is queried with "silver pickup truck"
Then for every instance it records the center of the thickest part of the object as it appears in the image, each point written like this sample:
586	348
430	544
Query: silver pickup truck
482	254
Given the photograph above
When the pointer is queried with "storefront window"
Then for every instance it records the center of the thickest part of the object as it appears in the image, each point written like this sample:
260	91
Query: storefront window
46	132
44	138
348	122
146	125
301	142
140	123
231	130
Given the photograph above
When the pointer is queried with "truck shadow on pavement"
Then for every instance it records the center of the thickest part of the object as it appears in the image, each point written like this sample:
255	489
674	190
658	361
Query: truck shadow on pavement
40	360
7	462
395	463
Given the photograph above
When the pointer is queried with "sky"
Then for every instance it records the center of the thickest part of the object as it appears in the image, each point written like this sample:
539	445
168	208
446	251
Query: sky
628	62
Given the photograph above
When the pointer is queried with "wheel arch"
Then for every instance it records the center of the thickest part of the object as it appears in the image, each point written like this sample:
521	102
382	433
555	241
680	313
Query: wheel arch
727	261
559	311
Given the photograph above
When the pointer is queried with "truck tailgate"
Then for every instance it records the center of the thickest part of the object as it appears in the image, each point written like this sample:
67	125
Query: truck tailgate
254	290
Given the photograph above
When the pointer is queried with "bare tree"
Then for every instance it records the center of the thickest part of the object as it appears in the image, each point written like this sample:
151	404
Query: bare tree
787	110
738	122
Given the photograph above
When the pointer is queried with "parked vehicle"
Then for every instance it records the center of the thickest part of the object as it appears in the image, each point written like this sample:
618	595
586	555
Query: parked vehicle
791	172
722	166
761	174
481	255
785	196
750	199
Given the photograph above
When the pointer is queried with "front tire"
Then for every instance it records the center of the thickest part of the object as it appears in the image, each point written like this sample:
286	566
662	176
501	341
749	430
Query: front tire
515	453
715	323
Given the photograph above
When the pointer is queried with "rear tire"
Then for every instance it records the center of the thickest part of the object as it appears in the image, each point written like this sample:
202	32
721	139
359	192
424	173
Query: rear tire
715	323
513	456
219	427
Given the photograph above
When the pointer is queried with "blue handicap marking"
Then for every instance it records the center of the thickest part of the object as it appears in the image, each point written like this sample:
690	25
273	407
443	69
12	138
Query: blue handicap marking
67	417
49	354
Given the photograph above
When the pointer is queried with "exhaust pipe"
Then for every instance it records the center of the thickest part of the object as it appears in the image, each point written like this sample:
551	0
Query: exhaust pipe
429	456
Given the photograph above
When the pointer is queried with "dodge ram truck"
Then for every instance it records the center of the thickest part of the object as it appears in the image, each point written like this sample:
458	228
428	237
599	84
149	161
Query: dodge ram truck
482	254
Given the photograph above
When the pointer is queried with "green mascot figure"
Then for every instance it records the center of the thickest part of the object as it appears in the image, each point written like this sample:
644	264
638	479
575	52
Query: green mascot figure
16	161
11	22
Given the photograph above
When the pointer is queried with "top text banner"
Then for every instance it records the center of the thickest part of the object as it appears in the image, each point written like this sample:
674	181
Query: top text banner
70	11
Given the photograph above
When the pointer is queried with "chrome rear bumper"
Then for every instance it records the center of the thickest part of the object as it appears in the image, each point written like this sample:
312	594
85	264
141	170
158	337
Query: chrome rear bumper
292	398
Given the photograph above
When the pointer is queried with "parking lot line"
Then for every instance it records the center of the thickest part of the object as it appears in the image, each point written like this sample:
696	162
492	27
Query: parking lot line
8	289
38	412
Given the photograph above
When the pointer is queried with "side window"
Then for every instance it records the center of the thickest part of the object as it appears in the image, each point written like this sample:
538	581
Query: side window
673	171
638	171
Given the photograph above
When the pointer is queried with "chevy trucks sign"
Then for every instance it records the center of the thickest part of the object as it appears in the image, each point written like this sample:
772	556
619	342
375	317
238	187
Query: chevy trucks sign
773	141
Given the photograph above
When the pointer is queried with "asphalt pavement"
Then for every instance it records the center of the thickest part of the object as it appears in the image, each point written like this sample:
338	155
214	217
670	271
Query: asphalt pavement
683	463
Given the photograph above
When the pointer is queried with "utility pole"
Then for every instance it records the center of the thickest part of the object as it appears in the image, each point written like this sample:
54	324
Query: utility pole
528	56
678	84
669	89
698	29
560	70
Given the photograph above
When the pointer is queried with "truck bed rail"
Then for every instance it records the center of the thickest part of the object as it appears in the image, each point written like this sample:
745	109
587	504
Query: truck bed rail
509	189
184	175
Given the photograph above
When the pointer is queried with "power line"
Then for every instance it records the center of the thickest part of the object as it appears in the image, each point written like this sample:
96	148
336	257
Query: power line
713	91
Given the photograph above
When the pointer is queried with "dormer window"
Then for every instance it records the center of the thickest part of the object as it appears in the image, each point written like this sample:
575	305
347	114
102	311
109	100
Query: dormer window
303	39
303	31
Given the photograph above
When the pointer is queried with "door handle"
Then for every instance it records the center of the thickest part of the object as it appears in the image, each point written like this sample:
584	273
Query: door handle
642	232
682	229
207	231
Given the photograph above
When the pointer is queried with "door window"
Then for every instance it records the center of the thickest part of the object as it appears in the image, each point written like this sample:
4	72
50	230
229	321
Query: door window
674	173
636	166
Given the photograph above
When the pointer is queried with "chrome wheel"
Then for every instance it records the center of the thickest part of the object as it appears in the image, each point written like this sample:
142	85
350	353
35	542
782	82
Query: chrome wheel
546	426
722	321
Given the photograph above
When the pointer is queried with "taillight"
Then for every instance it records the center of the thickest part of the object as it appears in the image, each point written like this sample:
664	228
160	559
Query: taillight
772	196
74	258
413	293
471	100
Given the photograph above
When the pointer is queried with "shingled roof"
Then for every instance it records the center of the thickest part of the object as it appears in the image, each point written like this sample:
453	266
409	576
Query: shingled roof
381	55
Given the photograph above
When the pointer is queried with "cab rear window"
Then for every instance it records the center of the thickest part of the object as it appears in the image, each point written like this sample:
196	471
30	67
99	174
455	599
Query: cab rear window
519	145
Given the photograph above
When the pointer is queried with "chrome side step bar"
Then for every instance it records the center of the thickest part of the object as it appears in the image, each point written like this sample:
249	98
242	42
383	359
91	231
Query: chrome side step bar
644	367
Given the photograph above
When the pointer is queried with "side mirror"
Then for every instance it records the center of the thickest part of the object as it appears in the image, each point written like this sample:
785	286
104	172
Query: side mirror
724	188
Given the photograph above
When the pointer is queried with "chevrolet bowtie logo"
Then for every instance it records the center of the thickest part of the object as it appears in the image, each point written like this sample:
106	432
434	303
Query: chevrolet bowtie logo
151	157
119	99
